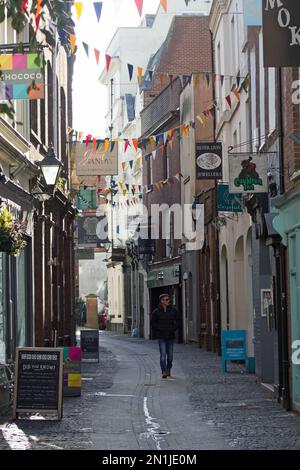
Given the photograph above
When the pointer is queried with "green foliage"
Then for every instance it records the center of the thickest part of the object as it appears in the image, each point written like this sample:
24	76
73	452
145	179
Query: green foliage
11	238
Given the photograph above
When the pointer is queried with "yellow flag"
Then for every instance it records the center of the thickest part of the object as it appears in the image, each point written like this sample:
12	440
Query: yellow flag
152	141
138	161
106	145
79	7
164	5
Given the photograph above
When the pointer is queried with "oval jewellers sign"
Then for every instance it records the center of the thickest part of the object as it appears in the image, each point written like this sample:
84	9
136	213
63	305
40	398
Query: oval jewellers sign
281	33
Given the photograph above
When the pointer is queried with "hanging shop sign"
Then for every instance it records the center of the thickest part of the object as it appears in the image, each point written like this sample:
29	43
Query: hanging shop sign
281	33
38	383
85	253
209	160
21	76
86	199
248	172
99	160
227	202
91	230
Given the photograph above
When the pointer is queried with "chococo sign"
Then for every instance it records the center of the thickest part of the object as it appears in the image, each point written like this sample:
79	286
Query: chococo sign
281	33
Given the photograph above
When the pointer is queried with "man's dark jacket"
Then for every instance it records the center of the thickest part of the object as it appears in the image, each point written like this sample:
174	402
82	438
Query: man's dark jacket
165	323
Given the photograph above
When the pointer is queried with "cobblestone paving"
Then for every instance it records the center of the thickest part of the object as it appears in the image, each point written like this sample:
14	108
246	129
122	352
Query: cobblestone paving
74	430
247	415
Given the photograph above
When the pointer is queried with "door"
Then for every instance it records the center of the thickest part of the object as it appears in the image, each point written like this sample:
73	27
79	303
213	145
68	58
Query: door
294	277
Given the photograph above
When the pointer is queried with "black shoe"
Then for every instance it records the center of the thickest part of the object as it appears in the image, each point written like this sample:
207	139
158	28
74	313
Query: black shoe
164	375
168	372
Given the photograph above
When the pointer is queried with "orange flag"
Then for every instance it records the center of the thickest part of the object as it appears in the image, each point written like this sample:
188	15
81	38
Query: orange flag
139	72
164	5
73	42
135	144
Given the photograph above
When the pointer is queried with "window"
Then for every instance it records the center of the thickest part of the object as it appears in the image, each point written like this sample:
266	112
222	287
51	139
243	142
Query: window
272	104
261	91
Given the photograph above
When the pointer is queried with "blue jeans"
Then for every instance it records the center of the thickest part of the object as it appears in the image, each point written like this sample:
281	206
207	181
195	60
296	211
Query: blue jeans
166	353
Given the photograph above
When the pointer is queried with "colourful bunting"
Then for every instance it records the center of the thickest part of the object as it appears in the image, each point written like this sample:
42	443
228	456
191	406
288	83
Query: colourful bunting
73	42
164	5
127	144
98	9
130	71
139	5
79	7
86	48
107	60
97	55
228	99
140	72
135	144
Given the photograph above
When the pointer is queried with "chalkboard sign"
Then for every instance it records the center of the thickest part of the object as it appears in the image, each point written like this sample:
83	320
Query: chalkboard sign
234	347
38	381
89	343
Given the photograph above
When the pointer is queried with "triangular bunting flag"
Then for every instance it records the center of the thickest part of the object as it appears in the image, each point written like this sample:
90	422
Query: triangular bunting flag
131	163
123	167
127	144
88	139
107	59
236	93
112	144
94	143
140	72
106	145
130	71
97	55
73	42
150	72
139	5
135	144
164	5
79	7
98	9
238	81
228	99
86	48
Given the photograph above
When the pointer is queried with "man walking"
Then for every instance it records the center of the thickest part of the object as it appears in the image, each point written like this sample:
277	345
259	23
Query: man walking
164	322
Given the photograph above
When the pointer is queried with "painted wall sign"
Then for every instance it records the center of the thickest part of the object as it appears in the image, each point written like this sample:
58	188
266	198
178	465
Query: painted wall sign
248	172
209	160
227	202
281	33
234	347
95	162
38	381
21	76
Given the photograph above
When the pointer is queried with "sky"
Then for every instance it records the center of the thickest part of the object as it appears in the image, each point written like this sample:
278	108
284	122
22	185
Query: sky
89	96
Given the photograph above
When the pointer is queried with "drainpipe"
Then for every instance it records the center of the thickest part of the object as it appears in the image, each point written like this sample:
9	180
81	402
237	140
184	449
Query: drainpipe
283	349
218	325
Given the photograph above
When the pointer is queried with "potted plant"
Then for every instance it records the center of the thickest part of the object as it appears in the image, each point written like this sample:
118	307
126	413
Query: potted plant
11	237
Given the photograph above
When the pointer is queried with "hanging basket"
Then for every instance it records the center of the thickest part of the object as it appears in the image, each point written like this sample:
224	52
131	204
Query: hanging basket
11	236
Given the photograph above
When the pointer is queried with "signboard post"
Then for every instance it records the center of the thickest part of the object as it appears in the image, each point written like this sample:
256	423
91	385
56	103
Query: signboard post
89	344
234	347
38	383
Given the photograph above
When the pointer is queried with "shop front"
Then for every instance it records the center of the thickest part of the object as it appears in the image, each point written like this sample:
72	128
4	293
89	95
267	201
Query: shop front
166	280
287	223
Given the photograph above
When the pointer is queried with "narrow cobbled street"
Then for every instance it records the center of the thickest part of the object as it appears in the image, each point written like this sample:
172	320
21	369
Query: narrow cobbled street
126	405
